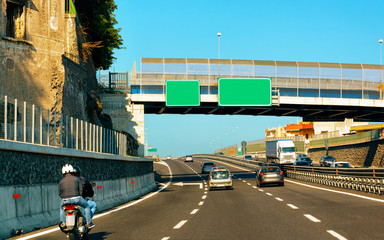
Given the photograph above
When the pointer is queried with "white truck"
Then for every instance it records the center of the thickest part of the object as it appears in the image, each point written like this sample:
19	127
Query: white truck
280	151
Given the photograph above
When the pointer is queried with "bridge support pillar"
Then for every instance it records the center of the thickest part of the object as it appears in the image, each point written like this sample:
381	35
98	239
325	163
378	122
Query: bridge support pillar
125	116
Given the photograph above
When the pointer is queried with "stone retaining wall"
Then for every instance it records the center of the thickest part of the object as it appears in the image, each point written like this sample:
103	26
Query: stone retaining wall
368	154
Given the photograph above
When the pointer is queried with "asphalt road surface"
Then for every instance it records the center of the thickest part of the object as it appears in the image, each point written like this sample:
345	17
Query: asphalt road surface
298	210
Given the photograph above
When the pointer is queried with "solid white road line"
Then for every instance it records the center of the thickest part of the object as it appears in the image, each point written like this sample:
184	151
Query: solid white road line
312	218
269	194
204	197
336	235
180	224
116	209
292	206
201	203
194	211
335	191
279	199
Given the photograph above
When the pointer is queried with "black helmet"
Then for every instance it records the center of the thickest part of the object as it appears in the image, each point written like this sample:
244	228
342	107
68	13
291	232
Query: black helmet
77	170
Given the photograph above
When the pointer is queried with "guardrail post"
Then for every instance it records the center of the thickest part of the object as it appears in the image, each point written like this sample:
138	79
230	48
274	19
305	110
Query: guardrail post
66	131
94	137
54	129
61	130
81	135
97	138
101	139
71	132
25	122
5	117
86	135
15	122
33	123
48	125
77	134
41	126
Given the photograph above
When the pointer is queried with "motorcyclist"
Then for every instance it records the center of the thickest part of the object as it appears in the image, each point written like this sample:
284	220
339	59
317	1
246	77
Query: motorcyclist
87	190
70	189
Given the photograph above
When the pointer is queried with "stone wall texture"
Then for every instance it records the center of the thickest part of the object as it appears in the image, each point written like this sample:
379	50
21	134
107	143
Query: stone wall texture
23	168
368	154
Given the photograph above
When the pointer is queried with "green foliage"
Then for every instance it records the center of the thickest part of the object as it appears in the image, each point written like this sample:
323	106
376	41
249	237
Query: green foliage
98	22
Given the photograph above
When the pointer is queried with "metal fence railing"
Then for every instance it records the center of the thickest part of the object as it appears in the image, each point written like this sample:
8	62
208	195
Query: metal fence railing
114	81
300	79
23	122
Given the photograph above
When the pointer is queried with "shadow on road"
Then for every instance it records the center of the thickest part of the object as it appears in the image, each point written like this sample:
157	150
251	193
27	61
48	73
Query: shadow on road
98	236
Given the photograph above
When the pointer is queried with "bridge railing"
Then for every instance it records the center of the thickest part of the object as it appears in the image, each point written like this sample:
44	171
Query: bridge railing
28	123
300	79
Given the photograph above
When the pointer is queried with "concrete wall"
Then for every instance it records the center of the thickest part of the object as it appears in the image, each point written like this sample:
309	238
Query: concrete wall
368	154
33	171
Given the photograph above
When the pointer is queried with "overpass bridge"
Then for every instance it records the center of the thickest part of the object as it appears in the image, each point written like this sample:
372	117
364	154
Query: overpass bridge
312	90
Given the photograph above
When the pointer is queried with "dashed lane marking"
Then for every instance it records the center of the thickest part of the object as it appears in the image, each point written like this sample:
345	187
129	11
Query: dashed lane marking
336	235
279	199
254	187
292	206
180	224
261	190
269	194
312	218
194	211
249	184
201	203
165	238
204	197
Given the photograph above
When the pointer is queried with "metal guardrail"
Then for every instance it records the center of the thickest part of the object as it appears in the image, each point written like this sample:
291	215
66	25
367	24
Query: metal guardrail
359	179
22	122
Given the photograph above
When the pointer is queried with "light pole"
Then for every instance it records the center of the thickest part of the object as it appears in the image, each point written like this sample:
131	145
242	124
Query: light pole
381	70
218	36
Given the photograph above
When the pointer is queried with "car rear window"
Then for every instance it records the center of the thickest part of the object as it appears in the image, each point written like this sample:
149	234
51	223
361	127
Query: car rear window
209	164
220	175
271	169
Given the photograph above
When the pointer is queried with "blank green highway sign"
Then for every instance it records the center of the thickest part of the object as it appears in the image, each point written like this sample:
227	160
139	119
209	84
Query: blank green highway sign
152	149
245	92
182	93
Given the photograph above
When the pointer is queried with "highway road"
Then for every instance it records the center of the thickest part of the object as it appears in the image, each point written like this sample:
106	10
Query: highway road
295	211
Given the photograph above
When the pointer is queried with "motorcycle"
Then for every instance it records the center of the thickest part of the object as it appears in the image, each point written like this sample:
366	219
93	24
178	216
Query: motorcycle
75	223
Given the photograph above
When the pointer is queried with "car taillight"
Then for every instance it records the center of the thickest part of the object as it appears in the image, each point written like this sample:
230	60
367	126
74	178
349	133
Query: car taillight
281	173
262	182
69	207
281	180
261	174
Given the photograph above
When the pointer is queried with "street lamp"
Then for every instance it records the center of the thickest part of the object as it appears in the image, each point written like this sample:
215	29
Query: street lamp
218	35
381	70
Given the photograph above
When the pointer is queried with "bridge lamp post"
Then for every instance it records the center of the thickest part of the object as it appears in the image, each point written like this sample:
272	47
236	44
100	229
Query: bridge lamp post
218	36
381	70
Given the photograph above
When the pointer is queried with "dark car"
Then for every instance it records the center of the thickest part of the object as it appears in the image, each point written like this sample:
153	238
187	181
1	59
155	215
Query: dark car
269	175
327	160
300	155
302	163
207	167
306	158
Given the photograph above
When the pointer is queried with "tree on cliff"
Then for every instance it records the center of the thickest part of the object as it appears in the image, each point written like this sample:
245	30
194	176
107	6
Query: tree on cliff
98	22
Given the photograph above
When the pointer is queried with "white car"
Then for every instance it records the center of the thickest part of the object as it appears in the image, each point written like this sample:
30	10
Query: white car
168	157
188	158
341	165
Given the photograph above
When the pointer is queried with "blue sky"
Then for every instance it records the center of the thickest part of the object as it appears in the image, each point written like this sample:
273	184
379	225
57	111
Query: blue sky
344	31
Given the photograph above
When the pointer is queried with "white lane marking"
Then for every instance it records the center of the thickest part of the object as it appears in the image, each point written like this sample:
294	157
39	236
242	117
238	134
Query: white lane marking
269	194
206	189
244	181
279	199
248	184
194	211
201	203
180	224
204	197
292	206
312	218
254	186
205	192
336	235
165	238
261	190
335	191
239	179
116	209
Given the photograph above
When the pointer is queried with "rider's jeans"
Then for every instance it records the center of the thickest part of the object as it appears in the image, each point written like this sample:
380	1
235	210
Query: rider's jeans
77	201
92	206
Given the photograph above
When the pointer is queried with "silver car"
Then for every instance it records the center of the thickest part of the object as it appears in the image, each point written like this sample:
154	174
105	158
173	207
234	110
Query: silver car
269	175
220	178
207	167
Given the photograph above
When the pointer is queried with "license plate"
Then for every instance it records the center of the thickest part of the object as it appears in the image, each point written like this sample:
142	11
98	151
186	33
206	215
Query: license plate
220	185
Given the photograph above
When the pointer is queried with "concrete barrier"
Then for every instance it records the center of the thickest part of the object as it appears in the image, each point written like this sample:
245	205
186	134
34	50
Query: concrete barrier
32	207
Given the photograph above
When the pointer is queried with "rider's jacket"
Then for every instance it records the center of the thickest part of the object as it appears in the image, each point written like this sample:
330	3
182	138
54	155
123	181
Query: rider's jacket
70	186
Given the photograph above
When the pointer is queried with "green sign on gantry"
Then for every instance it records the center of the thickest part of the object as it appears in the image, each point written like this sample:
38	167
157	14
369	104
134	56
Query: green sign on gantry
182	93
244	92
